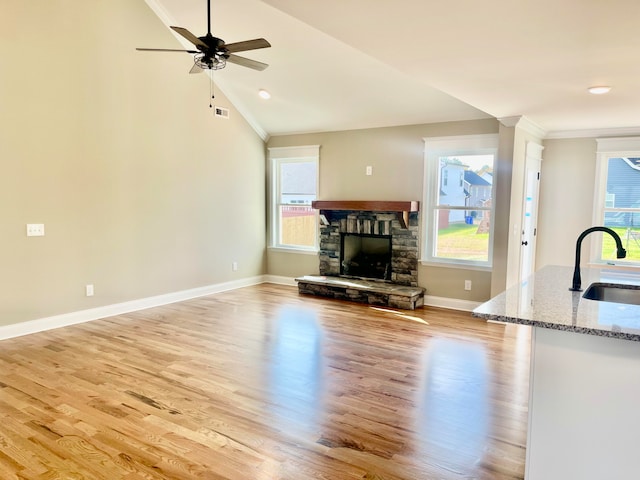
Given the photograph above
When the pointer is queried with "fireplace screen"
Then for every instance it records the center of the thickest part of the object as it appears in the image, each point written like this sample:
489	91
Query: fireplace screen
365	256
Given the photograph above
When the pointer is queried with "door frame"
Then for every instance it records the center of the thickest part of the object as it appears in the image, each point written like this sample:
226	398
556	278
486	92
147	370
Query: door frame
530	202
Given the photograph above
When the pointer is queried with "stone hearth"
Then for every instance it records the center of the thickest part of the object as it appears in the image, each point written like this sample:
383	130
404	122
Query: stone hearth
362	291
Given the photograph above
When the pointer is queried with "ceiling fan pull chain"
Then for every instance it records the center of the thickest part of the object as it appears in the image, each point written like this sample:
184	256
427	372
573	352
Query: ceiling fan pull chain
211	89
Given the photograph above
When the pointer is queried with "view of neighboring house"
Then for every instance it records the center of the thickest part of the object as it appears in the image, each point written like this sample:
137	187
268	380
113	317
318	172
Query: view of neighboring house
460	186
477	190
452	187
623	191
486	172
298	183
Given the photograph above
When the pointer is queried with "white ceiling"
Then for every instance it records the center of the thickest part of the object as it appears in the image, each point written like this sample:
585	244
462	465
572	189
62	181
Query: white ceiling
349	64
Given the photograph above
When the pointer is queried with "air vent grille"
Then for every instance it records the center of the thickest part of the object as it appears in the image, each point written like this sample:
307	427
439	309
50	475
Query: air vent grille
221	112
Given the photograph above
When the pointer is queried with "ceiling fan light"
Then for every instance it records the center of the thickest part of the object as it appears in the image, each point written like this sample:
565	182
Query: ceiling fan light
216	62
264	94
599	89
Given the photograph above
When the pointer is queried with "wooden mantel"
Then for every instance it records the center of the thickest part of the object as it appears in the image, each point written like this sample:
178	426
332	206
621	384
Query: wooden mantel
403	208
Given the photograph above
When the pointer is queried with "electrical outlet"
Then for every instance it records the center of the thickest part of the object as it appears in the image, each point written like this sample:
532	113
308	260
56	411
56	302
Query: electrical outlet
88	290
234	266
35	229
467	284
369	170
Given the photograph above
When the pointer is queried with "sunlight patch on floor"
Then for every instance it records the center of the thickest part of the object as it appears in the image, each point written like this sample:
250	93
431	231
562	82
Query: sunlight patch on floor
401	314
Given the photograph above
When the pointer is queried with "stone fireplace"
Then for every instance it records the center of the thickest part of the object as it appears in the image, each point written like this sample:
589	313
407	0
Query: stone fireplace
368	253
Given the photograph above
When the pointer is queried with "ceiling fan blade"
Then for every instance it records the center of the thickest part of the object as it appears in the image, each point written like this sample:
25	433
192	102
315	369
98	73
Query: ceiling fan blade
166	50
196	69
246	62
190	36
247	45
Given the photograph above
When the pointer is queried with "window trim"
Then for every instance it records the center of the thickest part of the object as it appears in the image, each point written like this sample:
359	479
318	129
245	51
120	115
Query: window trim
451	146
277	156
614	147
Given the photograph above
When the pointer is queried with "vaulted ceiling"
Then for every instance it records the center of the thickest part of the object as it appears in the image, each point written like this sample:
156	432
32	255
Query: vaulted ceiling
338	65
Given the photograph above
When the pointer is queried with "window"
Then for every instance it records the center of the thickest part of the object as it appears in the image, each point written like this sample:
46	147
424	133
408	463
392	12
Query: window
457	215
617	199
610	200
293	186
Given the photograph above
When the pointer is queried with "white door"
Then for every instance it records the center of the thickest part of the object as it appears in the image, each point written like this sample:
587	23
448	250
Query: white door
530	209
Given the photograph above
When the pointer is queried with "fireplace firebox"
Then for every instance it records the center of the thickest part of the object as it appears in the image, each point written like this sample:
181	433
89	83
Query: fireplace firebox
365	256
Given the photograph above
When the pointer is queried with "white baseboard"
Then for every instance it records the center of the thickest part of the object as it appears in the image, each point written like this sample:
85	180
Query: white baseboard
82	316
73	318
279	280
451	303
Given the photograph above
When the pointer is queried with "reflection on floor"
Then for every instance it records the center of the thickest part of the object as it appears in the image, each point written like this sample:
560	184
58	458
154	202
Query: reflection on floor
263	383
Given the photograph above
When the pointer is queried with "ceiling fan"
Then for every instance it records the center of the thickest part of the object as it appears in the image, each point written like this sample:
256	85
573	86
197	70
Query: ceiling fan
212	53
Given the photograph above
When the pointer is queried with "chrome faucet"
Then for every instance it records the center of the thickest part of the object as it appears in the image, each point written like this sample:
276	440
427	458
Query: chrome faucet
621	253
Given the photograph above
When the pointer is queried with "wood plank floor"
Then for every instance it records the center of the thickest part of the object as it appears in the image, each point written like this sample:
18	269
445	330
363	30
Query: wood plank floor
260	383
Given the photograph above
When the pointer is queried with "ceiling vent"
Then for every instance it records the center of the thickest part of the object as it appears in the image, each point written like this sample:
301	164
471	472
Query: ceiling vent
221	112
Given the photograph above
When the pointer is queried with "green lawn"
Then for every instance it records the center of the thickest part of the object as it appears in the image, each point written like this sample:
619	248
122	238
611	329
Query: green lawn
631	244
460	240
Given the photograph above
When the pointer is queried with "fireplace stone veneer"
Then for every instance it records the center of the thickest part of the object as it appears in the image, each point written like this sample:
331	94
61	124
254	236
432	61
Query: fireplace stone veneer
404	241
402	290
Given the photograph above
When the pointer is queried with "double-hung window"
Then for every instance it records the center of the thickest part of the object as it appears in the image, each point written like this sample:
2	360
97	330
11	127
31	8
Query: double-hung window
293	186
458	200
617	199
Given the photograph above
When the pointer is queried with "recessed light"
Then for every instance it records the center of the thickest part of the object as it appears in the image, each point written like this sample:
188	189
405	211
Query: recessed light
599	90
264	94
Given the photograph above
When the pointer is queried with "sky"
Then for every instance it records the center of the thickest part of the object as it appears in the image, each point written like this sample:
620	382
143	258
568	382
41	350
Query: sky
476	162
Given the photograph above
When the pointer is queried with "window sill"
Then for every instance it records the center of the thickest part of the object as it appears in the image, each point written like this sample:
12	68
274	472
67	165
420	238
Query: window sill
459	266
616	266
301	251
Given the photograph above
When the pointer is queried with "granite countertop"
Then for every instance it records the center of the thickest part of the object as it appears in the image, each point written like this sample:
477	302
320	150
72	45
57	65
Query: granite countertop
544	300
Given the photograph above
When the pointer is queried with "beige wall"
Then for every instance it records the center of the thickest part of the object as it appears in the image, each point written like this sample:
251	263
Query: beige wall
566	199
291	265
141	189
397	157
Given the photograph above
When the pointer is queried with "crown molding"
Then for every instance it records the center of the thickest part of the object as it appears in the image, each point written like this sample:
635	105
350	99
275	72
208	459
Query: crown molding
509	121
594	133
525	124
162	14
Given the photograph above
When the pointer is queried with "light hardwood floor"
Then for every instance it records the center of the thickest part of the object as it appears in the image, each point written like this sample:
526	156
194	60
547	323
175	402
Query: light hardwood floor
261	383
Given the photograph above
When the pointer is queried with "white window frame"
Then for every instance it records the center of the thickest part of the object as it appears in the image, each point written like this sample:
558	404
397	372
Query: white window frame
276	157
615	147
452	146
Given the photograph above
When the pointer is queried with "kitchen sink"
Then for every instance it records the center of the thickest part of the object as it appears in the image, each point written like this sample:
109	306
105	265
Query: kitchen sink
613	292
